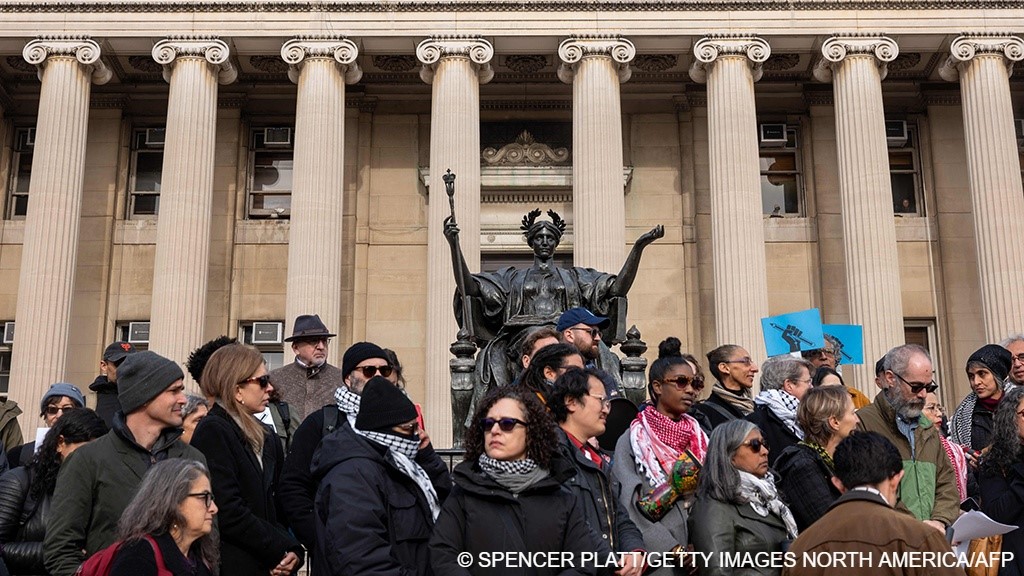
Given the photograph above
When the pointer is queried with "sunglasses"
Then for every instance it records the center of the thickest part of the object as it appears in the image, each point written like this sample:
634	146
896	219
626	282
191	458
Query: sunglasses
263	381
916	387
54	410
505	424
592	331
206	496
756	444
681	382
370	371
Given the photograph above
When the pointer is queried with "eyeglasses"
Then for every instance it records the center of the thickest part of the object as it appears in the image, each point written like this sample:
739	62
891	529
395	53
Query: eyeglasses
1020	413
681	382
1019	358
746	361
410	428
206	496
756	444
314	341
263	381
370	371
52	410
916	387
505	424
605	402
594	332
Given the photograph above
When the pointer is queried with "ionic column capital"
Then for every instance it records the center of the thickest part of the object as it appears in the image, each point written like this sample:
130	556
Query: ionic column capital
574	49
337	48
214	50
478	50
81	48
710	48
966	47
837	48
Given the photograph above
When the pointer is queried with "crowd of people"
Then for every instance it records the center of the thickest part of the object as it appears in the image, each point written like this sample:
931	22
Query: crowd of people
332	467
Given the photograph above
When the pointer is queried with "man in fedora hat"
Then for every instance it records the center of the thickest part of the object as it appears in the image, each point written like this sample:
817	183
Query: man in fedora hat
309	383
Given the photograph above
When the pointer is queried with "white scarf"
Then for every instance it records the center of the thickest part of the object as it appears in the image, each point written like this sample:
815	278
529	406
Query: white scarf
762	496
784	405
401	452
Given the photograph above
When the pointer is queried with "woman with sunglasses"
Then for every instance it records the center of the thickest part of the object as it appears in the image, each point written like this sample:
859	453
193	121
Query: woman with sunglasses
738	509
508	493
1001	477
730	397
662	431
167	526
245	461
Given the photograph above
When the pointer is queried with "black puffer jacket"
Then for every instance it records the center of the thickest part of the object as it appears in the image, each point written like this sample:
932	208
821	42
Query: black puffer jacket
22	524
481	516
107	403
370	517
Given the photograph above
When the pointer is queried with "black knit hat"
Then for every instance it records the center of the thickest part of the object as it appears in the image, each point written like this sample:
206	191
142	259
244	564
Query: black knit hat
383	406
143	376
358	352
996	358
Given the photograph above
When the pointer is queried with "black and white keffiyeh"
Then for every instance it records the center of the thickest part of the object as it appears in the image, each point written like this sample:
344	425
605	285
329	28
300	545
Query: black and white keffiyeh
401	454
762	496
514	475
348	402
960	423
784	405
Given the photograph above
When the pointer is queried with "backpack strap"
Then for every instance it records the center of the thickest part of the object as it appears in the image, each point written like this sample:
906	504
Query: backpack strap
161	568
331	413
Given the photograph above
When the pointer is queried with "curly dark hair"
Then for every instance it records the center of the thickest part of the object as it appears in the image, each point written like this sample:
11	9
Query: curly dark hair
200	356
1007	448
541	441
78	425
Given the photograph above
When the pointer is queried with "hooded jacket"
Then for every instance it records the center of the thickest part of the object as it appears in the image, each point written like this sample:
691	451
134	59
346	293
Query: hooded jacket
371	518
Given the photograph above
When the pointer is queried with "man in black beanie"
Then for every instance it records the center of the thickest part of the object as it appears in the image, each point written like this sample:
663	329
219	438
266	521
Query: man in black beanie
98	480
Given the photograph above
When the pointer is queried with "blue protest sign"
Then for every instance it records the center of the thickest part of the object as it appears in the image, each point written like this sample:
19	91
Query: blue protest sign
848	339
793	332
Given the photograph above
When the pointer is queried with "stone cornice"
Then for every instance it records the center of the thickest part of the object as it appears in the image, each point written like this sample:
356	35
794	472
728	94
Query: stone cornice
478	50
839	47
214	50
710	48
574	49
965	47
82	48
341	50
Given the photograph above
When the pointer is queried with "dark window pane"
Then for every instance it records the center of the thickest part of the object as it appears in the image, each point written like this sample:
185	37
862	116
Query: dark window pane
780	194
146	204
901	160
149	168
24	172
904	193
20	205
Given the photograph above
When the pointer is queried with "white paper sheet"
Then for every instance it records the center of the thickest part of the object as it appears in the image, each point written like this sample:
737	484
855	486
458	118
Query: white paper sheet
976	524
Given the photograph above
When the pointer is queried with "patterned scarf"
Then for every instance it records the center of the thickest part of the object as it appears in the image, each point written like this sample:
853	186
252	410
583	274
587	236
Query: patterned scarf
956	457
741	401
348	402
514	475
657	442
822	453
764	499
401	453
784	405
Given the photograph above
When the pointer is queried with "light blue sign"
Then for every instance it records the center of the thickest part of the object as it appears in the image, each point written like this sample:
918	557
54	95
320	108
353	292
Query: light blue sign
848	339
793	332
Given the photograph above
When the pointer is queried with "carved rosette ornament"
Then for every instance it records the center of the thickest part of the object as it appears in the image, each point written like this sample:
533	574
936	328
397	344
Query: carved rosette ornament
837	48
85	50
572	50
214	50
710	48
965	48
476	49
341	50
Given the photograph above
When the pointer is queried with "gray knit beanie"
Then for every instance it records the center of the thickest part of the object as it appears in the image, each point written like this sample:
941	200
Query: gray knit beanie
143	376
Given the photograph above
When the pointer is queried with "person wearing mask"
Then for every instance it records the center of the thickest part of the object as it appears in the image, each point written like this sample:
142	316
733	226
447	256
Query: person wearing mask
730	398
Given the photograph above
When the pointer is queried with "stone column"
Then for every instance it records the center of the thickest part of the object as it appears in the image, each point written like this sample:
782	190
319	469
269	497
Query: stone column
730	66
193	66
595	66
983	65
455	66
321	66
856	66
66	66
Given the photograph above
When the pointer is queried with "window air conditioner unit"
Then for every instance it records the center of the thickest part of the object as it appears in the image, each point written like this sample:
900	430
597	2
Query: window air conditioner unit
155	136
896	133
773	135
1018	129
30	137
277	136
138	332
8	332
267	332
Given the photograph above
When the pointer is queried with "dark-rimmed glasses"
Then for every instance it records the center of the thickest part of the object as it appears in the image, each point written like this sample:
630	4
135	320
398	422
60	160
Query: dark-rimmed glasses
207	497
756	444
370	371
505	424
263	381
916	387
681	382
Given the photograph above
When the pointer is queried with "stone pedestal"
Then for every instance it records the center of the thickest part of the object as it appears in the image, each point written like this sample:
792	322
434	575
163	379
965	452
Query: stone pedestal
193	67
66	66
454	66
321	67
730	66
983	65
856	67
595	66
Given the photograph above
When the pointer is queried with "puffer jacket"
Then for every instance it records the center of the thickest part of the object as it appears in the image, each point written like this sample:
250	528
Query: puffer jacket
22	524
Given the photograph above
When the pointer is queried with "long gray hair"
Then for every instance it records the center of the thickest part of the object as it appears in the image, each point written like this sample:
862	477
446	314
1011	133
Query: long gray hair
718	478
154	509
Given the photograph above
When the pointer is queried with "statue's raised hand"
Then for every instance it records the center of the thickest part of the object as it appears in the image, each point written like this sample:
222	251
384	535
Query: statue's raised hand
451	230
655	233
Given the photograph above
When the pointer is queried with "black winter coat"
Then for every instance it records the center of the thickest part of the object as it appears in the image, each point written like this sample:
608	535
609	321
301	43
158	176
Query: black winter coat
1002	499
483	516
107	403
22	524
714	411
370	518
805	483
773	430
297	488
252	539
136	558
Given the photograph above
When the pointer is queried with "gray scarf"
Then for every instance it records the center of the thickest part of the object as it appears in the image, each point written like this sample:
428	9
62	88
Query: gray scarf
513	475
762	496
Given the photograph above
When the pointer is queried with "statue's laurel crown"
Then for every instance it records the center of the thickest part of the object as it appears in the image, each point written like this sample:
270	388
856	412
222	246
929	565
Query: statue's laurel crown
531	218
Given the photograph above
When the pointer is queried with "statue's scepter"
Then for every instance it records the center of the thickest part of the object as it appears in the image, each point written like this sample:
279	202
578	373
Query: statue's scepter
460	276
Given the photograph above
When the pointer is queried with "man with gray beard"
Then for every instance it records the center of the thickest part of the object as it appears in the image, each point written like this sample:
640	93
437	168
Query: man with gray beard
928	489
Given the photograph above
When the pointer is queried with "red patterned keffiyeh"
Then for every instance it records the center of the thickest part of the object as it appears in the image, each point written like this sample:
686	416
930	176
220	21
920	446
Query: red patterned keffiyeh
657	442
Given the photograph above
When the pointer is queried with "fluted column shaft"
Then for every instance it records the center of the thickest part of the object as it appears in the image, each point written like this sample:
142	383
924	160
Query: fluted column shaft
984	65
455	67
730	66
595	66
856	66
321	67
50	246
181	268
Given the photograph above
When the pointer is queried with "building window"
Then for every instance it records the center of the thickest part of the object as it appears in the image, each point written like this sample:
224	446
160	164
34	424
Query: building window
21	173
781	180
5	356
267	337
904	168
146	172
137	333
270	173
